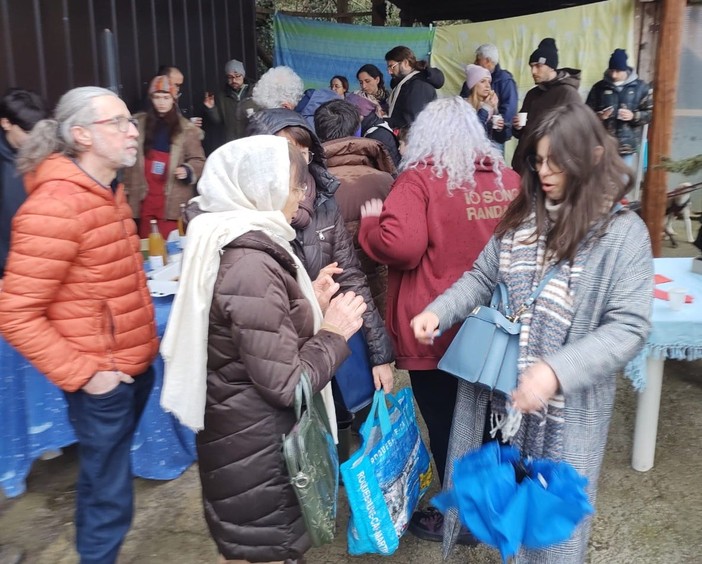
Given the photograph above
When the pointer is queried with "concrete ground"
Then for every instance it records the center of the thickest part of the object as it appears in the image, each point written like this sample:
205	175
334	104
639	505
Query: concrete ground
650	518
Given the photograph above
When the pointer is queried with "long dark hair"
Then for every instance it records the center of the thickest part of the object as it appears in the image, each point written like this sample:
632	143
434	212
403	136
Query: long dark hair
171	120
374	72
596	178
402	53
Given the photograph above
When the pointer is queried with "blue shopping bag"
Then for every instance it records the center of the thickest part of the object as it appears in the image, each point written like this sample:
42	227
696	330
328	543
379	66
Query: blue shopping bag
354	378
386	477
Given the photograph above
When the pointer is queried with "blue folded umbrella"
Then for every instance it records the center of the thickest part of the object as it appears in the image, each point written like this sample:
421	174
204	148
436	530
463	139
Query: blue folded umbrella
507	502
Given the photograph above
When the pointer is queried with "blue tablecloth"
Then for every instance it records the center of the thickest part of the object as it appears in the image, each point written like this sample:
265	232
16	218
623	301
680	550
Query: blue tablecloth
674	334
34	419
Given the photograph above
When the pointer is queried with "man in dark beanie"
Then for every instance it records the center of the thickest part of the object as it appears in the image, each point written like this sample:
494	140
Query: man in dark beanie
624	103
554	87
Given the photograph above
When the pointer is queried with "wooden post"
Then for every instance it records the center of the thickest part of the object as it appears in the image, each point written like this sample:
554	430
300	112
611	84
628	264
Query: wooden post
342	7
380	13
665	87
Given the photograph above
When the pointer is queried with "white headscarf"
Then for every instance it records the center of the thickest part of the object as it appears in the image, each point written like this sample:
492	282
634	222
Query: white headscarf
244	187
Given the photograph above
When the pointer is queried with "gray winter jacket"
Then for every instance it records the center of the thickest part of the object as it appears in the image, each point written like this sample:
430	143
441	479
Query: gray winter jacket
611	321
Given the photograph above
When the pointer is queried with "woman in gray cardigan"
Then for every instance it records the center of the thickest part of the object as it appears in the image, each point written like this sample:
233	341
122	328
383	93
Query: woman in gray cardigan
588	322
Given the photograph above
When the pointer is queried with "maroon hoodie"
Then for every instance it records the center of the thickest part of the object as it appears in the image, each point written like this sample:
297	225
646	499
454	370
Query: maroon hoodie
429	238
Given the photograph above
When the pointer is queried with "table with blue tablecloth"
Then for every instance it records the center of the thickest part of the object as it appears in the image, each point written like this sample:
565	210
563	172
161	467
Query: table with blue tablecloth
674	335
35	420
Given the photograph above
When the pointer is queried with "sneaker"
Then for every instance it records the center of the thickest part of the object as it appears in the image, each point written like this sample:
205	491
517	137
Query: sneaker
429	525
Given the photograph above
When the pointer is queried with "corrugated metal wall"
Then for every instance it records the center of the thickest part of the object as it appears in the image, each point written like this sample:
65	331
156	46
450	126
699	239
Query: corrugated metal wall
54	45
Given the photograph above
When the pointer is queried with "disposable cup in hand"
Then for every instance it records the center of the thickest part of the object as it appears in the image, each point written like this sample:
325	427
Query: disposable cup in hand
676	298
496	121
522	118
196	121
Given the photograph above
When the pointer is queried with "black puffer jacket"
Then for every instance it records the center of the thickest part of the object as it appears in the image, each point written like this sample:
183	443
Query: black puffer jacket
635	95
325	239
414	94
260	340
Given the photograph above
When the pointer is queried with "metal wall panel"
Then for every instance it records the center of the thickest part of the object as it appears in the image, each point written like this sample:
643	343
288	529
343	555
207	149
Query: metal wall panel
54	45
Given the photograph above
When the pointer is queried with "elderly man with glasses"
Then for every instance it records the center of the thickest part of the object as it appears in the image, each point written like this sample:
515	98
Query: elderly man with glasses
75	303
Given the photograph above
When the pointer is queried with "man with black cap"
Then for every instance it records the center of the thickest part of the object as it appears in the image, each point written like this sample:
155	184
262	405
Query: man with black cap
554	87
624	103
230	109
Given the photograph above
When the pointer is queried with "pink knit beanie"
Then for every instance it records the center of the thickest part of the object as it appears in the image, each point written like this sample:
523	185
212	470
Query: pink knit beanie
475	73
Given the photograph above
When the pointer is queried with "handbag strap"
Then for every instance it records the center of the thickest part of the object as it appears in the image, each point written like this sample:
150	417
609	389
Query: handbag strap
303	394
501	294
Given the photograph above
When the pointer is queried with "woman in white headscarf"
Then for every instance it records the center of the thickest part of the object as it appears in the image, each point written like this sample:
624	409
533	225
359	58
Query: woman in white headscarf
247	321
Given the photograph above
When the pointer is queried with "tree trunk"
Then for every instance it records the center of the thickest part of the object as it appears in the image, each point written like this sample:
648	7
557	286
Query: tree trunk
342	7
665	86
380	13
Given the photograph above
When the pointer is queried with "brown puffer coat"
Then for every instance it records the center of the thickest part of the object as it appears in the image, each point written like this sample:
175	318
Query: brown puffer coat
260	341
365	170
74	299
186	150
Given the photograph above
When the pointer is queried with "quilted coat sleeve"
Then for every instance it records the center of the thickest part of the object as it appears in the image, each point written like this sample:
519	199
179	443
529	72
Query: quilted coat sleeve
353	279
193	153
46	237
255	300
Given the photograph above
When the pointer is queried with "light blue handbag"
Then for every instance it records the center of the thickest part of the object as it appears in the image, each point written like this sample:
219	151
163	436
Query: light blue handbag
486	348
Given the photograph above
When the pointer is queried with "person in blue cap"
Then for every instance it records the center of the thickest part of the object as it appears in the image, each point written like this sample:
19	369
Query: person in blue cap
624	103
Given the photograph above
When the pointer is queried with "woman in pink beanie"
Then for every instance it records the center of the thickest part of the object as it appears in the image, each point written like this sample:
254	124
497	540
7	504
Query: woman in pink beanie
483	98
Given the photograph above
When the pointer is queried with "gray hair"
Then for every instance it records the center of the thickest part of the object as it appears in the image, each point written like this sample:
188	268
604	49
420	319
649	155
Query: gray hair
278	86
448	135
54	135
488	51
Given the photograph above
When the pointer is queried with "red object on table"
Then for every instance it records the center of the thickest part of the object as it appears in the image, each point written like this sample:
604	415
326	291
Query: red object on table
663	295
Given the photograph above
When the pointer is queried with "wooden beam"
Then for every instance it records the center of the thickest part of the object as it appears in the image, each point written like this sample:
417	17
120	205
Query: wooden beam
665	88
342	7
380	13
330	15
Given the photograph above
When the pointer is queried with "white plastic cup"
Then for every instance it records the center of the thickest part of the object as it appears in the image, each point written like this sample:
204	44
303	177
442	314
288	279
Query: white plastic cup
196	121
496	121
522	118
676	298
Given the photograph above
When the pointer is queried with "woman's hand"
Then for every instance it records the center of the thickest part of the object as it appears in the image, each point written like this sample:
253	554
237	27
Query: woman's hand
536	386
324	285
383	377
209	100
425	326
492	100
181	173
104	381
344	315
372	208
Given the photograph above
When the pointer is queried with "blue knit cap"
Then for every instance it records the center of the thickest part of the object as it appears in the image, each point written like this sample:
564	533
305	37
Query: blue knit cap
618	60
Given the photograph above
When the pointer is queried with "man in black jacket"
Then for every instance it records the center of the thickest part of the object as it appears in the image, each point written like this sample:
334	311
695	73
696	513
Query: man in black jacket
414	85
624	103
20	110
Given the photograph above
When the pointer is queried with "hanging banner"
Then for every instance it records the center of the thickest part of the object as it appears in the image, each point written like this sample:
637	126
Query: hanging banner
585	36
318	50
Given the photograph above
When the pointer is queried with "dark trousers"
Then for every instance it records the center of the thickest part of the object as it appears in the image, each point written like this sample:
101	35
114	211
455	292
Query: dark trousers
105	425
435	393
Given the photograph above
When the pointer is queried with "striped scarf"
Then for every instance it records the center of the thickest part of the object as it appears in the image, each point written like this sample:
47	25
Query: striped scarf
523	263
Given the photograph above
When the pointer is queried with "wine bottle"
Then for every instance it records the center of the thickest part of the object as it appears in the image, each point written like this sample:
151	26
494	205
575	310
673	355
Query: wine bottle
157	247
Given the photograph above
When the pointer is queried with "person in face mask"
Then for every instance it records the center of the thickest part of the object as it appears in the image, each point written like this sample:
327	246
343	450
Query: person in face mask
414	85
624	103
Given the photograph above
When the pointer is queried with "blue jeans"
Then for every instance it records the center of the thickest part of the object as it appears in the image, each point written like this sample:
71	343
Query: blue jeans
105	426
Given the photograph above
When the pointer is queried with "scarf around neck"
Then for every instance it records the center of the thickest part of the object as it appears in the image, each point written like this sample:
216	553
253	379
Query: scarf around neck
544	330
243	187
396	92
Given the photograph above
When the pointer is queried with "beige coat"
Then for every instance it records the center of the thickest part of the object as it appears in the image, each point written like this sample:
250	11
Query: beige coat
186	150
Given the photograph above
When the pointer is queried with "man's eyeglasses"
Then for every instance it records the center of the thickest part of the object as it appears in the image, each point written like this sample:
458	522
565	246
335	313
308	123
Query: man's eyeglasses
535	163
236	76
121	122
392	66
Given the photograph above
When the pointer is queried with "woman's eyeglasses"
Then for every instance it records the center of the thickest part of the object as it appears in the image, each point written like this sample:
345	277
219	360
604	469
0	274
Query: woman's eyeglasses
121	122
535	162
301	189
309	155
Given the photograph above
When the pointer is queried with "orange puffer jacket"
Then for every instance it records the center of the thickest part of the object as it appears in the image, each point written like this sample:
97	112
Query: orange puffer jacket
74	298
